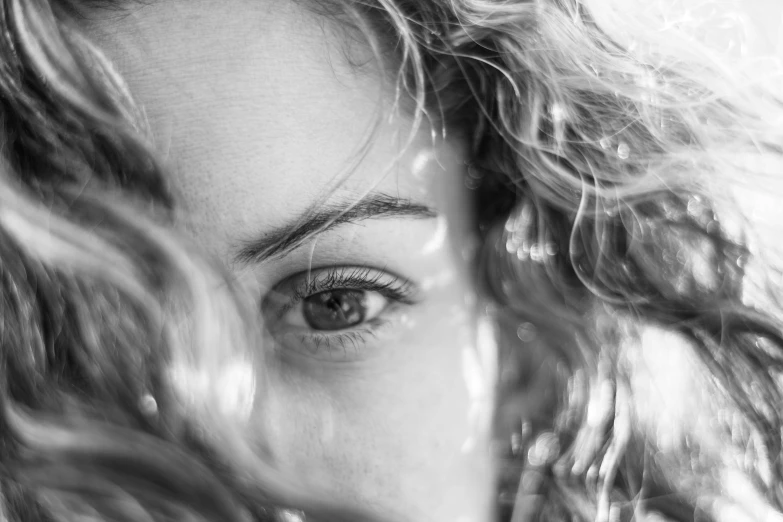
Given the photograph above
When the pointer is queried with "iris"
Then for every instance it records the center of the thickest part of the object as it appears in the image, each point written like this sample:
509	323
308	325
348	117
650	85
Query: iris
335	309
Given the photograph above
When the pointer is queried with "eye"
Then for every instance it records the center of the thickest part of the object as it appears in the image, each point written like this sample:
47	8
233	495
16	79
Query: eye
338	309
335	313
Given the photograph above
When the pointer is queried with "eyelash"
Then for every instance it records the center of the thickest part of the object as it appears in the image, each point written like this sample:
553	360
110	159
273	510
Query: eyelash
396	289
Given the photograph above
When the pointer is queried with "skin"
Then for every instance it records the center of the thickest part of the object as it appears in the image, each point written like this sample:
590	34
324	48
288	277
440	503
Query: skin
262	118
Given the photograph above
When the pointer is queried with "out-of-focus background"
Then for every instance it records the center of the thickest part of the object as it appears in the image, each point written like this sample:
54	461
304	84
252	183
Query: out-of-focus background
767	16
760	21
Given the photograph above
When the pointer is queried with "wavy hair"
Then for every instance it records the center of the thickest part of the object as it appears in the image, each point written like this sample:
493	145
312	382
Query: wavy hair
603	166
600	165
129	361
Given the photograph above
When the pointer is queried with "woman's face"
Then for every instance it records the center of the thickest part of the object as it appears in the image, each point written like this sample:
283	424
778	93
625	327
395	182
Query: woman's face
273	122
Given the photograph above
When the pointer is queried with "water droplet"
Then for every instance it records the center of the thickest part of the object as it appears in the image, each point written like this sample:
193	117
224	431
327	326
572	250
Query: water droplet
536	253
695	206
523	251
472	183
546	447
526	332
623	151
474	172
148	404
516	443
682	256
605	142
551	249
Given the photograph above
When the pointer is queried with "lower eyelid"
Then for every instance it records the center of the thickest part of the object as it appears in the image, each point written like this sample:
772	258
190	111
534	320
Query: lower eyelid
330	346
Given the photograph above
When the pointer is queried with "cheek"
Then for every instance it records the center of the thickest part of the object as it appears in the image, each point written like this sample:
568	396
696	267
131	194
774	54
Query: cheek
379	431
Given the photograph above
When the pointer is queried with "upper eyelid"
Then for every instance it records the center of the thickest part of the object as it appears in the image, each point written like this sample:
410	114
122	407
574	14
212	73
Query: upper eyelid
357	273
344	275
407	287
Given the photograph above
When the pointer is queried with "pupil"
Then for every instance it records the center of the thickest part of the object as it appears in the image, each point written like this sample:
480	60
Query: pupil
334	309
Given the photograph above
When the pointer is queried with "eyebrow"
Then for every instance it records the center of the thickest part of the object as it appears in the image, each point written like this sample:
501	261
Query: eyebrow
282	240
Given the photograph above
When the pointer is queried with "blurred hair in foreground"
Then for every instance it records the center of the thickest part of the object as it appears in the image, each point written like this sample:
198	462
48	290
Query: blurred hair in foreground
604	152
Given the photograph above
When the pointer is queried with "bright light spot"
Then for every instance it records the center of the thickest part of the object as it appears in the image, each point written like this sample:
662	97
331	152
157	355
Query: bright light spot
230	389
236	390
438	239
479	367
441	280
558	112
421	161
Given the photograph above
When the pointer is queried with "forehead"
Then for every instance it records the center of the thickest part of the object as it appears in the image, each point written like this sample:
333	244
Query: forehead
263	91
259	110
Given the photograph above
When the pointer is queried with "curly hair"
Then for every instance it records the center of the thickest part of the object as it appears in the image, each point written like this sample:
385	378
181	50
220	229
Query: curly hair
603	172
602	154
128	360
